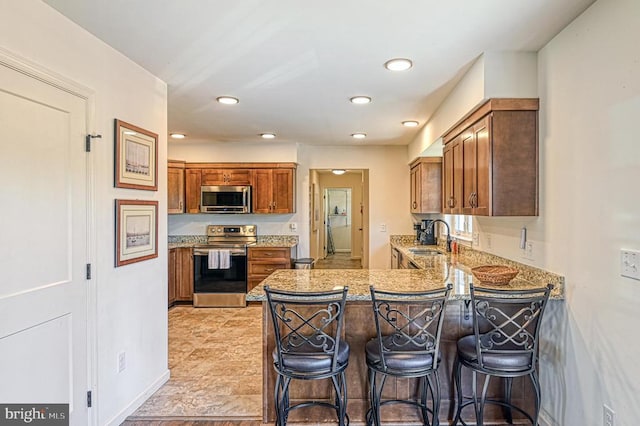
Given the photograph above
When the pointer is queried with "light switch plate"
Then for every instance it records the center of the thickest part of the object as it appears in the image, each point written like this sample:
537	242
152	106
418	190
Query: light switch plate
293	226
383	227
630	264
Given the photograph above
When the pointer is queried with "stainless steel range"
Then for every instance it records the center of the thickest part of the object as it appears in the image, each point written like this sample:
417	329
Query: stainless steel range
220	266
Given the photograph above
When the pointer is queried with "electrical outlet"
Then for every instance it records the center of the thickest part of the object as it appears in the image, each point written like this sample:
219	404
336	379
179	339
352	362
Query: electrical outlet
476	239
529	251
122	361
609	416
383	227
488	239
293	226
630	264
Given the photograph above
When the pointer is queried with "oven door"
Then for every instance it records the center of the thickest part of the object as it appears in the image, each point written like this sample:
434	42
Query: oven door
219	287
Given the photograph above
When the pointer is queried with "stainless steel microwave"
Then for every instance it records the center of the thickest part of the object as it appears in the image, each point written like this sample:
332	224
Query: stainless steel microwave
225	199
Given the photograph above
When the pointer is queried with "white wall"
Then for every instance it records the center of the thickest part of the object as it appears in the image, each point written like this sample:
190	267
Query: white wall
131	300
492	75
589	80
388	173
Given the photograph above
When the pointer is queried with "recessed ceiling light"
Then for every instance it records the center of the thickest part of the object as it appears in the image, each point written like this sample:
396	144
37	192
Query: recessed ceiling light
227	100
129	132
267	135
358	135
398	64
178	135
410	123
360	99
338	171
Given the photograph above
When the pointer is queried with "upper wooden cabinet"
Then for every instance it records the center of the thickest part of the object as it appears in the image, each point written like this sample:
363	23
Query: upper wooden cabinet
491	160
273	191
426	185
273	184
175	187
193	181
227	176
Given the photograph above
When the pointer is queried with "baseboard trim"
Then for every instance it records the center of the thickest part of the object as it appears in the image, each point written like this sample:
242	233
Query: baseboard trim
139	400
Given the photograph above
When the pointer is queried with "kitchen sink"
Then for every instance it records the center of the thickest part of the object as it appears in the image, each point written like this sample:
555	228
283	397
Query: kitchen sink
423	251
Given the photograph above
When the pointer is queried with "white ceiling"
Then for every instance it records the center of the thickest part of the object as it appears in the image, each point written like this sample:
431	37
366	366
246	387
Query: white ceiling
294	64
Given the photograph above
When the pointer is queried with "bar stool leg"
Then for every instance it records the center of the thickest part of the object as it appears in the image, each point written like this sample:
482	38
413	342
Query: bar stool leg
485	387
508	384
423	389
536	387
456	375
434	384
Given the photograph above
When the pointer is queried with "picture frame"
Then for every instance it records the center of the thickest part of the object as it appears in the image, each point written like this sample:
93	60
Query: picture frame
136	157
136	231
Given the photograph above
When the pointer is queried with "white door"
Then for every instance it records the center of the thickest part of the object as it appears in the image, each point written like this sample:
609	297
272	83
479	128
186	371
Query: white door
43	244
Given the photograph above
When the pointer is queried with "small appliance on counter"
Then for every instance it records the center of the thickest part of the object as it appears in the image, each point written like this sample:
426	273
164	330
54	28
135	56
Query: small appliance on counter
426	233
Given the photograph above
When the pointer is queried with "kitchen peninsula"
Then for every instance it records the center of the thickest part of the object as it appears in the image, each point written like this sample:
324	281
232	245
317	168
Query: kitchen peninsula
435	272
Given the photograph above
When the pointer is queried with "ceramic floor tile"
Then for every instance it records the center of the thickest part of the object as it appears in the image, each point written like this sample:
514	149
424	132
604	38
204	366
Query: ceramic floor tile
215	357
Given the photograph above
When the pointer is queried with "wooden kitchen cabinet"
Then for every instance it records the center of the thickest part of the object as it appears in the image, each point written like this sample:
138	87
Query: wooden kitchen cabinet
175	187
193	181
227	176
180	275
262	261
273	191
491	160
426	185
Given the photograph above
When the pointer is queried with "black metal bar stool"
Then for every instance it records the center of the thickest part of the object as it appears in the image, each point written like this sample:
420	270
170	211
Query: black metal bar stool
504	343
407	345
308	346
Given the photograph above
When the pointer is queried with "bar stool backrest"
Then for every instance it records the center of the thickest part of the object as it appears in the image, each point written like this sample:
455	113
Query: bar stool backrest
307	323
410	321
507	322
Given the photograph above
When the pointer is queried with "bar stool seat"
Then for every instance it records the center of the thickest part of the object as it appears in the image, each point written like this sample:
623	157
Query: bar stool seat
307	358
411	357
511	361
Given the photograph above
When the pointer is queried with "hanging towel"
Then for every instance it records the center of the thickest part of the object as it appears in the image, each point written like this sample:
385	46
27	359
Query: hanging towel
225	259
214	259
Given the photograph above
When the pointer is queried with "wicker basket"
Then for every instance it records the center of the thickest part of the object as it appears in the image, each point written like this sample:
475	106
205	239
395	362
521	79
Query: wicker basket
494	274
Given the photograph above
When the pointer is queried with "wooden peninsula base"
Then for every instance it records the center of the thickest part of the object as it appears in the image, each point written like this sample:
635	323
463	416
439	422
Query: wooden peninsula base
359	328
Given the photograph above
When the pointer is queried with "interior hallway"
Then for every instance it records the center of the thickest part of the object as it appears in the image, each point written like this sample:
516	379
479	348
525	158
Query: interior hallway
340	260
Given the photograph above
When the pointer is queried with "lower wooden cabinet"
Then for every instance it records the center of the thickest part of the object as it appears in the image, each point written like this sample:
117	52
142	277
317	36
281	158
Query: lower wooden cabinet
180	275
262	261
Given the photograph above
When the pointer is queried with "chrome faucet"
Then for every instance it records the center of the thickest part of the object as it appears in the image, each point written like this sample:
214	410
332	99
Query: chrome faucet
432	224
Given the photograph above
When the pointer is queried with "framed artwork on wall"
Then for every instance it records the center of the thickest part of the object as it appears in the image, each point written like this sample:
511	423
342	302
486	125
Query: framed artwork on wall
136	157
136	231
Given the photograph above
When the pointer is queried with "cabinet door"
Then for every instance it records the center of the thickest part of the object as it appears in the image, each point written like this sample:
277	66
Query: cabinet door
261	193
453	177
282	191
429	186
213	177
482	194
238	176
192	190
415	189
172	276
175	190
469	166
184	274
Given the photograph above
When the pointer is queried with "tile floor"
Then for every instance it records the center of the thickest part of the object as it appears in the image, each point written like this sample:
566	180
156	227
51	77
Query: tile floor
215	358
339	260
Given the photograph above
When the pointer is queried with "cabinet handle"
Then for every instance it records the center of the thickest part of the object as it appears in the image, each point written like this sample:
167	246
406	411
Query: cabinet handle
268	254
474	199
269	269
415	205
180	206
452	202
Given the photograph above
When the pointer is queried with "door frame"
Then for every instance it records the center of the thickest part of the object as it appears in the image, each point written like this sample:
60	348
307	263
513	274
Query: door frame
44	75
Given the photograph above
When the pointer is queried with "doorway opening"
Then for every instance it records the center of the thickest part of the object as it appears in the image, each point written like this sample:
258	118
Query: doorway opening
339	219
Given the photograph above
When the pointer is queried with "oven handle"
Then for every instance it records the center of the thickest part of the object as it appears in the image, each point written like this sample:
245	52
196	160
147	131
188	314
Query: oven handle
233	252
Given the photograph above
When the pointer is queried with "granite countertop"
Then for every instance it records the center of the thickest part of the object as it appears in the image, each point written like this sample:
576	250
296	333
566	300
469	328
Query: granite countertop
435	272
